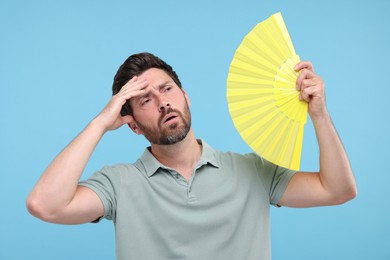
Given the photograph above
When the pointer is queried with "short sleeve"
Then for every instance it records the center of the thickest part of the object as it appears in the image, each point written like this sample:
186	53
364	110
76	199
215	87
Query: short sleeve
274	178
105	183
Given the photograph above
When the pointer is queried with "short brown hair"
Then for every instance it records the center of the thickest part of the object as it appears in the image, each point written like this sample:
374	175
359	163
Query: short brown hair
135	65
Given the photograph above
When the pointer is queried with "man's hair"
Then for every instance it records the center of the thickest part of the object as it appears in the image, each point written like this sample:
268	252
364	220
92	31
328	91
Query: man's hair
135	65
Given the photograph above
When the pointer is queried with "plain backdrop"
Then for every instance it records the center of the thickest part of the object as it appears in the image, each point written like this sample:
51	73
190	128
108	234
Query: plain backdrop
57	62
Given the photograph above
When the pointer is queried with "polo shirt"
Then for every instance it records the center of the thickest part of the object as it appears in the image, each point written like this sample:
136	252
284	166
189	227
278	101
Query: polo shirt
222	212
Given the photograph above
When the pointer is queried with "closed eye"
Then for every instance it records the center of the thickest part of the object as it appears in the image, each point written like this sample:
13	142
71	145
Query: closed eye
166	88
145	101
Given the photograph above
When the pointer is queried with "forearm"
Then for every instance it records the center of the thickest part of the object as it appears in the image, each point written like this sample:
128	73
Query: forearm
334	183
56	196
335	171
57	185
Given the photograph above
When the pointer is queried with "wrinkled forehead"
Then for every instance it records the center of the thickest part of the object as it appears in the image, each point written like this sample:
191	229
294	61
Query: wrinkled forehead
156	77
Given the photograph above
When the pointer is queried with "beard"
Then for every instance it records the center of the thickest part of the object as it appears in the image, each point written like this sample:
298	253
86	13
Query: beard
172	133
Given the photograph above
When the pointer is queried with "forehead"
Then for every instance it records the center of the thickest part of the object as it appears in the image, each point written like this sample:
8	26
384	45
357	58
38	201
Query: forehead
155	76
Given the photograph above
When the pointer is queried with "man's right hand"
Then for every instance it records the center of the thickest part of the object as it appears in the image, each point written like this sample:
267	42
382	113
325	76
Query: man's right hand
110	117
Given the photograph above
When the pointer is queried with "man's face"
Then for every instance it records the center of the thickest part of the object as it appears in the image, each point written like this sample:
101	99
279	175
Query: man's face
161	114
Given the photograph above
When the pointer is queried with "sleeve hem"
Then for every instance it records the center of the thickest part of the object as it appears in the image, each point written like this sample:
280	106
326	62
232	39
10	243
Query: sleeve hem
101	197
281	189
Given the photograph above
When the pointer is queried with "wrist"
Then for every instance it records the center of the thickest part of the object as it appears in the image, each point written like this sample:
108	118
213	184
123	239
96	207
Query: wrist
98	125
321	119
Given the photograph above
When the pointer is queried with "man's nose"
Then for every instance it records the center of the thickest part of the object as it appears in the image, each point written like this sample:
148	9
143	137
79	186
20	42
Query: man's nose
163	105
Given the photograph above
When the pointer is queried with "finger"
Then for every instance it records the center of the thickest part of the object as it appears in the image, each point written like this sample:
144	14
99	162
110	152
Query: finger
133	79
304	74
134	82
307	94
134	93
130	91
315	91
129	82
134	86
304	65
127	96
307	83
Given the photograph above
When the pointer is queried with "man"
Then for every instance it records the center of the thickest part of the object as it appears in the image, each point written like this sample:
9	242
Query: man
182	199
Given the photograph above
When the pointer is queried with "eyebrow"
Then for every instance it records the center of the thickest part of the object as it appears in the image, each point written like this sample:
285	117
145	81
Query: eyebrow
163	84
159	86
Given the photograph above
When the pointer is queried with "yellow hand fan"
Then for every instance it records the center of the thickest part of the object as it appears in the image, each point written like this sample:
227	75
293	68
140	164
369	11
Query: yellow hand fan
263	101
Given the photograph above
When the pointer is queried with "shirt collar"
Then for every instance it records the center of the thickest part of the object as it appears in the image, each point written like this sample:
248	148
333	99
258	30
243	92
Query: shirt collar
151	164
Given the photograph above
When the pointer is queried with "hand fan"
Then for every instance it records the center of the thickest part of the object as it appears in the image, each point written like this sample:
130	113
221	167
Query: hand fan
263	101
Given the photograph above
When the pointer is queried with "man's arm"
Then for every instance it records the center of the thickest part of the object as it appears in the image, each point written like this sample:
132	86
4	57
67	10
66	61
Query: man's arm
57	197
334	183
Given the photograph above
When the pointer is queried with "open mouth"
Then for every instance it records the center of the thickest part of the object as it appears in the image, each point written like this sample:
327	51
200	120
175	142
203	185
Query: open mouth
169	118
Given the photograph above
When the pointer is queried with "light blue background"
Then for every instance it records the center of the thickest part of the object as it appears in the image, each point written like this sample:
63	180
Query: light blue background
57	61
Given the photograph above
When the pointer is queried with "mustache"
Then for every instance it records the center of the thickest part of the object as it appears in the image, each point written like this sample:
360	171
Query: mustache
167	111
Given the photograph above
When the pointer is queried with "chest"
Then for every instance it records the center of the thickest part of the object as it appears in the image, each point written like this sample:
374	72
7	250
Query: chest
172	215
209	193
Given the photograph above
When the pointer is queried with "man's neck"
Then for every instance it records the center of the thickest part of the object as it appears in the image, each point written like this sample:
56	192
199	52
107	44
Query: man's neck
181	156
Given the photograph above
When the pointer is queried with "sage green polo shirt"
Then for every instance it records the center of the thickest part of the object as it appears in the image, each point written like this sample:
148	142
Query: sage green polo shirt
222	212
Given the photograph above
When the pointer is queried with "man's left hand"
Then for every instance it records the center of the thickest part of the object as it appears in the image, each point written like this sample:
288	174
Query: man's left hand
311	87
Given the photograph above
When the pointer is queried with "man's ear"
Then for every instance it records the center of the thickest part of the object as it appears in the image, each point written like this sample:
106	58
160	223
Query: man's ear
134	126
186	97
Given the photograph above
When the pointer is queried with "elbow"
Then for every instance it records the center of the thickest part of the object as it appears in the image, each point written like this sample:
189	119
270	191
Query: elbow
37	209
348	195
33	206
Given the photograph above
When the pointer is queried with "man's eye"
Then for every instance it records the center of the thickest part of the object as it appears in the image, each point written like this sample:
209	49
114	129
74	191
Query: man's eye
167	88
145	101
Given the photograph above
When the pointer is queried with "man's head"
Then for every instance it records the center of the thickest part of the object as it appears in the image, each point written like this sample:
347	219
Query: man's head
135	65
161	112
